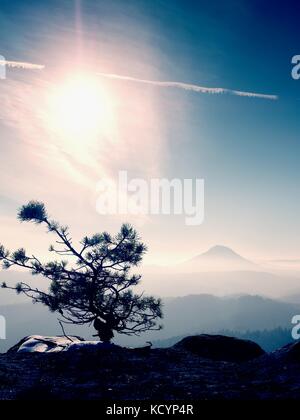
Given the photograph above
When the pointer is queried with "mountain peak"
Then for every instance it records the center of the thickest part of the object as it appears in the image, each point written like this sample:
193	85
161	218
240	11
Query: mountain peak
221	251
221	258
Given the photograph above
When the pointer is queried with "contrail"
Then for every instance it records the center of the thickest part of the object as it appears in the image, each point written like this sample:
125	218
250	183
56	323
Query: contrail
193	88
21	65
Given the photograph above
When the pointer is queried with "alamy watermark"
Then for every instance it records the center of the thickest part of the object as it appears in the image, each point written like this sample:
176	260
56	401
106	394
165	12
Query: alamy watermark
152	197
2	328
296	329
296	67
2	68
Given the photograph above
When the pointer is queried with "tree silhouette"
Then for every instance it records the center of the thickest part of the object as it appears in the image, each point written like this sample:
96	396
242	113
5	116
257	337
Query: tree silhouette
97	289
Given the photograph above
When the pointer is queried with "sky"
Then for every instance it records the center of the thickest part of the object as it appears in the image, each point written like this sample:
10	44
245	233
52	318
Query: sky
245	148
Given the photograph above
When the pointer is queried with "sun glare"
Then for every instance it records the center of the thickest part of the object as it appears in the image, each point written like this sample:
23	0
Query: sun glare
80	107
79	114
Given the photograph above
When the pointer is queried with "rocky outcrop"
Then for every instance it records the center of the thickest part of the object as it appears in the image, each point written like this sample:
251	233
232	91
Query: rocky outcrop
217	347
42	344
177	373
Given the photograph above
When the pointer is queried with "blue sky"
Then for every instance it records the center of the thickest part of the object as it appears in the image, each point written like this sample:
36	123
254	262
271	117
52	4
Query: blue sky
246	149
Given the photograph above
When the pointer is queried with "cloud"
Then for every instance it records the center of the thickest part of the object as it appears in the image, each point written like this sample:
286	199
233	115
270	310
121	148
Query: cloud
164	84
21	65
190	87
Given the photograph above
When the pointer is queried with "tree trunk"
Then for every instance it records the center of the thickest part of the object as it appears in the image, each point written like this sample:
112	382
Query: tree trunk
104	331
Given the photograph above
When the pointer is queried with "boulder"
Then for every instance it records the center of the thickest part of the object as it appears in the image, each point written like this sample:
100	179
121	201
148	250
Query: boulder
41	344
221	348
290	352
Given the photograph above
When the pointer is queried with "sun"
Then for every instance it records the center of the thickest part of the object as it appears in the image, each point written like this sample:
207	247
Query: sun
79	112
79	107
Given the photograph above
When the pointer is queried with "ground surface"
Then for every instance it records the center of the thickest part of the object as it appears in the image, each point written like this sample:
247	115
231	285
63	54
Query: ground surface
173	374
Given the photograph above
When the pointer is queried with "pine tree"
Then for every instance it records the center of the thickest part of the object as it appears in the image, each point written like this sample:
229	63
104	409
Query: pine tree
96	288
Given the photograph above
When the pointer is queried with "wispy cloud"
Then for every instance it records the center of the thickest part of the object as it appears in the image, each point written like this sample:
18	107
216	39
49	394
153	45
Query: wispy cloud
190	87
21	65
164	84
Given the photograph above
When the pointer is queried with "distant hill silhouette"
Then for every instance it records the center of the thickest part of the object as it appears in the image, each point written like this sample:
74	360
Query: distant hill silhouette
220	258
183	316
207	313
220	251
219	271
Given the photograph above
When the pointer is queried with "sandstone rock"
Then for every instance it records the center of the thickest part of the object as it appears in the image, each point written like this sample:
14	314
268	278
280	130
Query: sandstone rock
171	374
42	344
215	347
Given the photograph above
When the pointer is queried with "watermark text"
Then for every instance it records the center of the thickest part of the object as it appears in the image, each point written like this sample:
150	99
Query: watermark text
152	197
